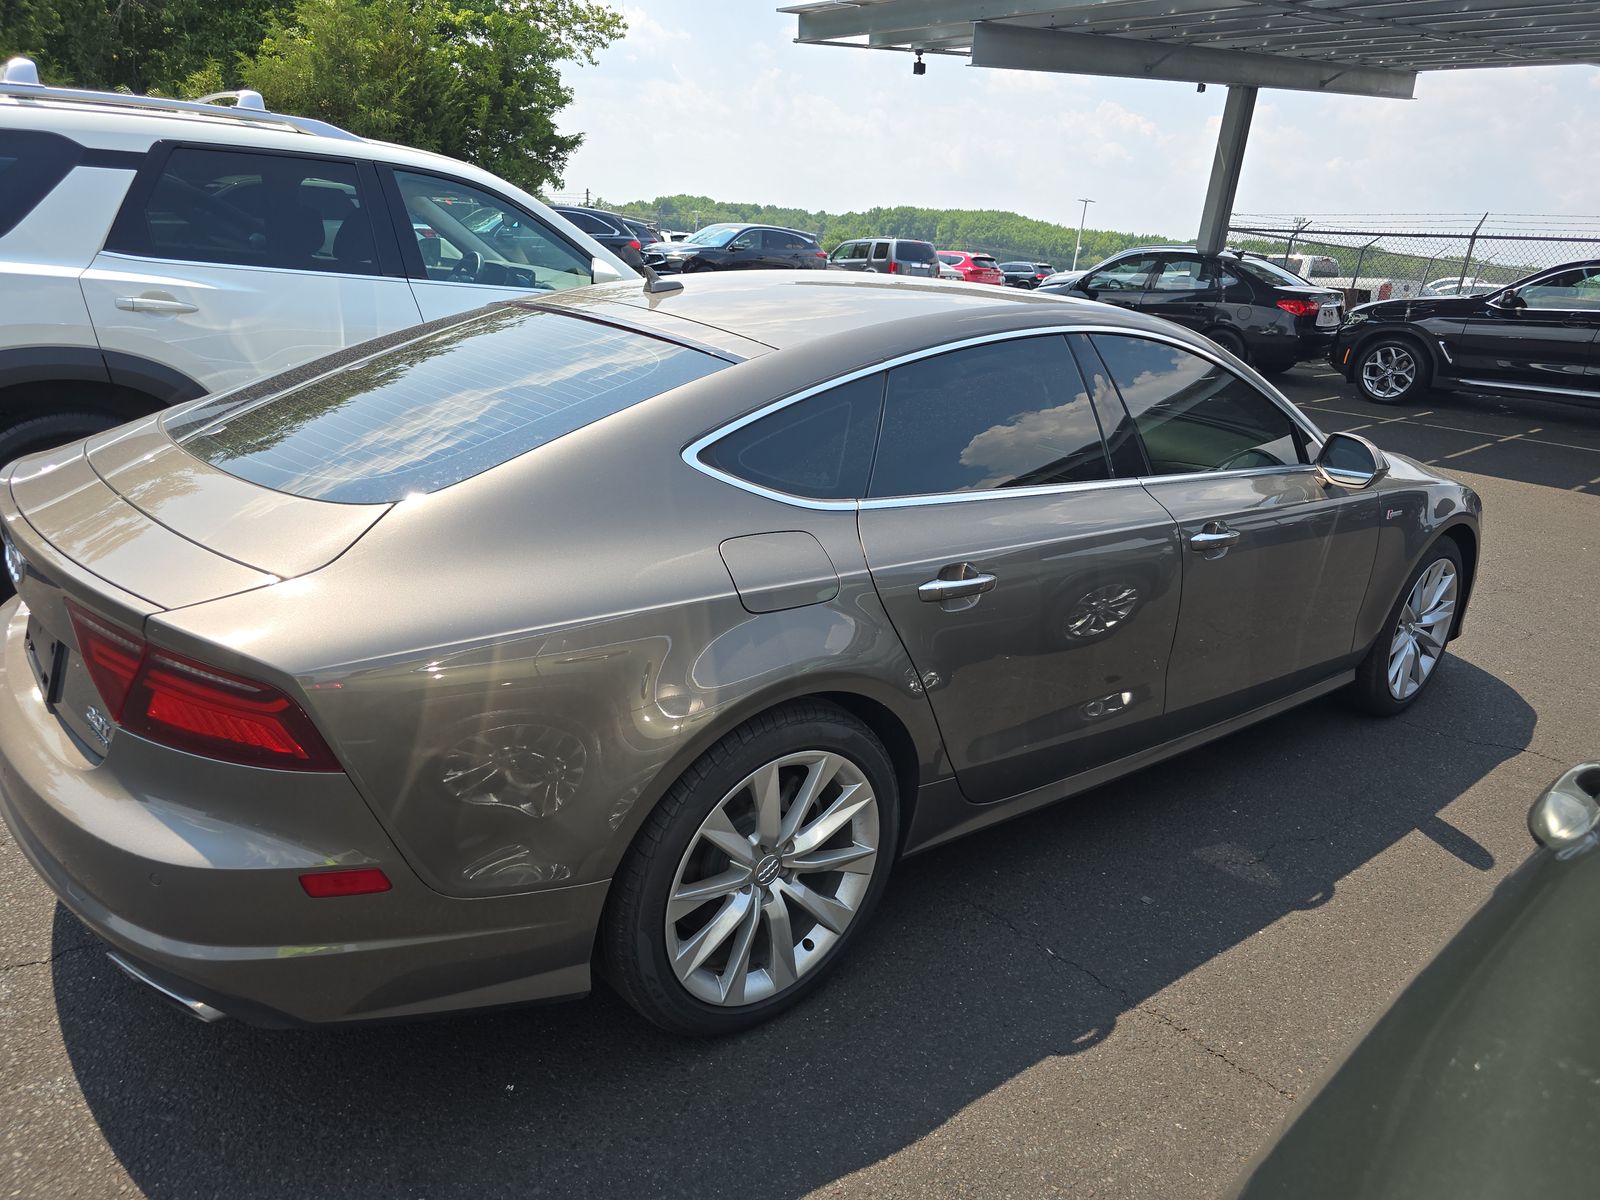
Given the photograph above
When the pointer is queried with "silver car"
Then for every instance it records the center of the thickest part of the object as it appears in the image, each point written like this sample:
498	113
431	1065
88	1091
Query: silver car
643	631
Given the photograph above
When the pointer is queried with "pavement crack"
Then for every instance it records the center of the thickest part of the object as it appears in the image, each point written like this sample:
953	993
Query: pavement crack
1471	741
1128	1002
44	962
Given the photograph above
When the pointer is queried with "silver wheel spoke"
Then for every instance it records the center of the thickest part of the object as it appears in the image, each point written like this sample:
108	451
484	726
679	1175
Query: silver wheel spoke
849	802
853	858
818	776
1422	629
829	913
691	896
781	965
694	952
719	831
737	973
769	803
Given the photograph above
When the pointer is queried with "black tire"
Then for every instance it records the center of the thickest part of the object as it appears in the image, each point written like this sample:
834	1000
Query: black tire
49	430
632	940
1371	691
1408	357
1275	366
1229	341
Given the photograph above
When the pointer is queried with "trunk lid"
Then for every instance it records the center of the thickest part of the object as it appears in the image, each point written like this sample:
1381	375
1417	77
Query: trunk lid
131	508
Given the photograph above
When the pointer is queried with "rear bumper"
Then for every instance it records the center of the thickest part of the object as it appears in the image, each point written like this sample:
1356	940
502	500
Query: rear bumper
208	905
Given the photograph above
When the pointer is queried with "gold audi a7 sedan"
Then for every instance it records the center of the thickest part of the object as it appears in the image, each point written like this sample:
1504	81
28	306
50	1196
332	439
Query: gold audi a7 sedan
641	630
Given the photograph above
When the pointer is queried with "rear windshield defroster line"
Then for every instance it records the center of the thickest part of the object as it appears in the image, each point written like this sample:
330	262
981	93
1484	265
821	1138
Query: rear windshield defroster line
435	411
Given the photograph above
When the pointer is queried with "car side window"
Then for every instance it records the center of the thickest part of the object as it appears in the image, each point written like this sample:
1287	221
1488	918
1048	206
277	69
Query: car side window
1181	275
819	447
844	251
1125	275
593	226
880	251
244	208
1574	290
1192	414
775	239
467	235
750	239
1004	414
32	162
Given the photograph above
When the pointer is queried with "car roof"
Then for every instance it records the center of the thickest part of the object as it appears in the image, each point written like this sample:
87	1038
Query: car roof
784	309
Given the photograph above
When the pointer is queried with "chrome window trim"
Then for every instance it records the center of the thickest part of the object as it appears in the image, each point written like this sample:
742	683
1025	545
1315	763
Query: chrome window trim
691	453
124	256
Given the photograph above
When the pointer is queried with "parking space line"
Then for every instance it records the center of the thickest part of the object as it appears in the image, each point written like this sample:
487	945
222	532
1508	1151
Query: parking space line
1469	450
1532	441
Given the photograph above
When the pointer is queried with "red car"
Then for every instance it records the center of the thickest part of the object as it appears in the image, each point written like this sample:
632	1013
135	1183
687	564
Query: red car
974	267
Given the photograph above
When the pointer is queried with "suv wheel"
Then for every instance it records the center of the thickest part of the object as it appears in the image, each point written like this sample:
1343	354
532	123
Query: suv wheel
1391	371
50	430
754	872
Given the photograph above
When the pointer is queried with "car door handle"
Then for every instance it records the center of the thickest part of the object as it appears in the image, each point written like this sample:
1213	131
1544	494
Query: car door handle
155	304
936	591
1214	537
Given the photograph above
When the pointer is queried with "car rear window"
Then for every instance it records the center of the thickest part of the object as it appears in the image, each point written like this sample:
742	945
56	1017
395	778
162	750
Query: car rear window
983	260
1270	273
914	251
435	411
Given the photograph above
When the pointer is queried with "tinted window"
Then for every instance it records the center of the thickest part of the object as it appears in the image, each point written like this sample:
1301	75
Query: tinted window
880	251
1578	288
1005	414
778	239
819	447
1180	275
983	260
1124	275
438	410
953	260
467	235
249	209
914	251
590	225
31	164
1270	273
1193	415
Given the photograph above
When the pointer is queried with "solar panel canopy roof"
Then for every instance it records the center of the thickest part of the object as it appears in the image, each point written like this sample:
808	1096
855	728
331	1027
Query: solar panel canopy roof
1363	47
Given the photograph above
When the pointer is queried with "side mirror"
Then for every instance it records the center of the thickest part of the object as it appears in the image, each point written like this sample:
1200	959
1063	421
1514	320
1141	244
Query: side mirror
1564	818
604	272
1510	299
1349	461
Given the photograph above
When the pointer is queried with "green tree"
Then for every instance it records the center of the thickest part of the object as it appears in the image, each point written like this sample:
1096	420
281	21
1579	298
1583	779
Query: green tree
474	79
137	45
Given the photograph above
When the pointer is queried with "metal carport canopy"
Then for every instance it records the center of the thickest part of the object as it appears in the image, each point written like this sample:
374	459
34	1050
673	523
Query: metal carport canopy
1355	47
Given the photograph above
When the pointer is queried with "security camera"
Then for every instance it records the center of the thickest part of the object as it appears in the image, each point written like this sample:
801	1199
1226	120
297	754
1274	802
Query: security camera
919	67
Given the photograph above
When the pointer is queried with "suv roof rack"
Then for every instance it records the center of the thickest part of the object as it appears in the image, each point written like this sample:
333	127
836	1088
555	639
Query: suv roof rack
19	79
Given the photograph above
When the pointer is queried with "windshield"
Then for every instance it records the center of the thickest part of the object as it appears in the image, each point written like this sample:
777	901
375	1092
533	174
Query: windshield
1270	273
435	411
714	235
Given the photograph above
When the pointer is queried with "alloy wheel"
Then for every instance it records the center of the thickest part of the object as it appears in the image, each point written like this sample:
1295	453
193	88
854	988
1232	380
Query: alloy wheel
1388	372
1422	629
772	878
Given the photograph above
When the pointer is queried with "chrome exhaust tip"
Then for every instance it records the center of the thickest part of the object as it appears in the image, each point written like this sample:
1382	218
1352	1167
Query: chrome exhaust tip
198	1009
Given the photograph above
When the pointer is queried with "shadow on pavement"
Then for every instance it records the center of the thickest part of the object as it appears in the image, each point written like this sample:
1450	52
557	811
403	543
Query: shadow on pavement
988	956
1526	440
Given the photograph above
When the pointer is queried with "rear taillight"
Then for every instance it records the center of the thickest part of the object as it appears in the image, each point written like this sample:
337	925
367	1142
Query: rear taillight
1299	308
193	706
894	267
633	244
819	254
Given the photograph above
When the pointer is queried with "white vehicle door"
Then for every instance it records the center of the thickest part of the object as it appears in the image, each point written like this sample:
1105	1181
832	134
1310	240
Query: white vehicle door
469	247
229	264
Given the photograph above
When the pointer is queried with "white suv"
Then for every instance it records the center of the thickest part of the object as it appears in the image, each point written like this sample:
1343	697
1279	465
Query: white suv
153	250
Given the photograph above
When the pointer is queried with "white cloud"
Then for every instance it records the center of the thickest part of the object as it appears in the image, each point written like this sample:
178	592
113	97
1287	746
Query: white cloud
713	97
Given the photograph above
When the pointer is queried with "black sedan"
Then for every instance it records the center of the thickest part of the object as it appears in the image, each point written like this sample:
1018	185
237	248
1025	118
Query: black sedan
1248	305
1535	337
1481	1080
730	247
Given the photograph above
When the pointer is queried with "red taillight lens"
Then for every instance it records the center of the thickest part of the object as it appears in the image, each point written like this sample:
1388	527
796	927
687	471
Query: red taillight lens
819	254
894	267
111	653
633	244
1299	308
357	881
194	707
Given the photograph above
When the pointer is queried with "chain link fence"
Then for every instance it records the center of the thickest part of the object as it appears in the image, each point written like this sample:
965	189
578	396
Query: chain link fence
1399	256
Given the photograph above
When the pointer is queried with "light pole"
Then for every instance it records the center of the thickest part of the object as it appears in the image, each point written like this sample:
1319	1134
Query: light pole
1081	220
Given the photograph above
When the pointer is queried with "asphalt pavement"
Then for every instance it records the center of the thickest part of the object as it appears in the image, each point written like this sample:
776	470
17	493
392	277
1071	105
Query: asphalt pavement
1121	996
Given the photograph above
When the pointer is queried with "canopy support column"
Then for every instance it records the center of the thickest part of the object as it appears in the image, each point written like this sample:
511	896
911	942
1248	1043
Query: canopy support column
1235	132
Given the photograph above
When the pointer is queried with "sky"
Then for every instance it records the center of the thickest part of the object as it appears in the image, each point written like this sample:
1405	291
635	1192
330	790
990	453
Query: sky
712	97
